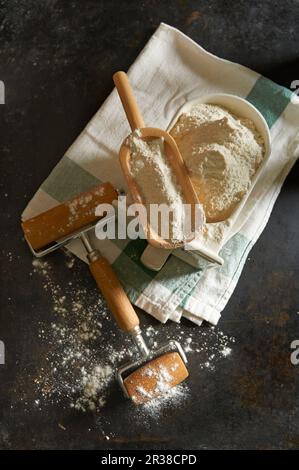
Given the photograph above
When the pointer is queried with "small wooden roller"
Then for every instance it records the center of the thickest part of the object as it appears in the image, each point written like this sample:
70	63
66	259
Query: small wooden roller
156	377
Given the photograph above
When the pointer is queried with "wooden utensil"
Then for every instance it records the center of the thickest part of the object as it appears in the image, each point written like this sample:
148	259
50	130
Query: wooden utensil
174	159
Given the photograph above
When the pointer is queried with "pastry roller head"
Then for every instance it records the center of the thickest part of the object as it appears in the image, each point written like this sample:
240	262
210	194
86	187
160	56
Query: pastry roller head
162	369
56	227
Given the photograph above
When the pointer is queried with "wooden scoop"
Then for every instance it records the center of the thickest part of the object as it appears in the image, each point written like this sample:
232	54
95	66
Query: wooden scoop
173	156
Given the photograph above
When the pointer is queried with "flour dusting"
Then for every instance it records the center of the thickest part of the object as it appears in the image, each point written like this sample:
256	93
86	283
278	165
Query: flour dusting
172	397
78	362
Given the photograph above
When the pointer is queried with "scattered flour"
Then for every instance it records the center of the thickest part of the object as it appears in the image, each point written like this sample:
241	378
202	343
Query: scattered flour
171	398
70	259
77	367
94	384
226	351
86	201
222	153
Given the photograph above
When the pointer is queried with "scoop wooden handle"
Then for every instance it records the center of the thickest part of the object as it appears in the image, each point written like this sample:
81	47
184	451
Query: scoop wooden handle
128	100
114	294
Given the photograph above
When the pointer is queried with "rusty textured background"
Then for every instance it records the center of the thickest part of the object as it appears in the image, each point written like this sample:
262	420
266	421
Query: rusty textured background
57	59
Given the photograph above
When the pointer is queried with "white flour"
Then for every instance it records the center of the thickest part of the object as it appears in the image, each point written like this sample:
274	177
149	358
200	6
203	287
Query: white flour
222	153
73	370
172	397
156	182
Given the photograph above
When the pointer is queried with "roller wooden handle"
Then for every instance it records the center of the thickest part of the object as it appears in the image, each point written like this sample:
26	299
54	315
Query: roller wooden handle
128	100
114	294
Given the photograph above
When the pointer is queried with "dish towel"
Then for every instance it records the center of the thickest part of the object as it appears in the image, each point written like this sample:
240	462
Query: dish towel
170	70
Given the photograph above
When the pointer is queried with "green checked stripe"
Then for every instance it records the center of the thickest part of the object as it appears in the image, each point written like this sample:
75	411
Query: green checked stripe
132	273
67	180
270	99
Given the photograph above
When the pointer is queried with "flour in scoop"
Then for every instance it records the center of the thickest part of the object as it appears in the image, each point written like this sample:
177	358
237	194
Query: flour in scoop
222	153
157	185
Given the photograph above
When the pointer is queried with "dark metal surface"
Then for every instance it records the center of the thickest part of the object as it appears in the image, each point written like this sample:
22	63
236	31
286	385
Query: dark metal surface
56	60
